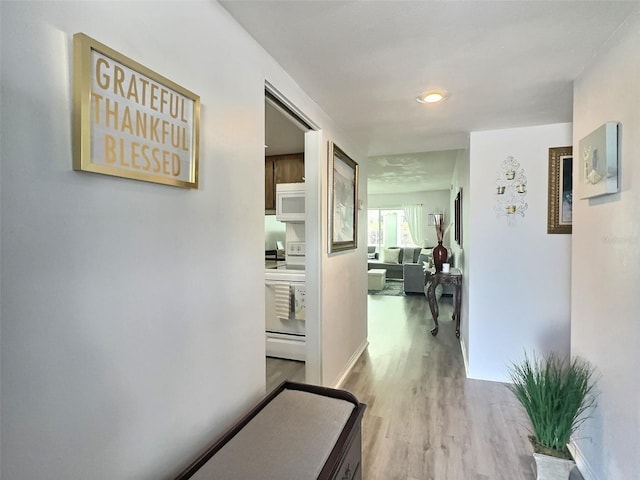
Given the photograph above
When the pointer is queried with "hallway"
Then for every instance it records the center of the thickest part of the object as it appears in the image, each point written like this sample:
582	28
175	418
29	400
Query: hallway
424	419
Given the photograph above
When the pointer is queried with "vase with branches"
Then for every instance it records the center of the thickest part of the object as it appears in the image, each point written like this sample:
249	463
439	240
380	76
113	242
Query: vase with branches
440	253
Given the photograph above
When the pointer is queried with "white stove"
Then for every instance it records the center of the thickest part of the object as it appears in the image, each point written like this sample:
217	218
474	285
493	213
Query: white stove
285	306
294	254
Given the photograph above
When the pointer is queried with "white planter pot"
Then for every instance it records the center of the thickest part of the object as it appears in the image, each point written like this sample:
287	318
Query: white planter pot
552	468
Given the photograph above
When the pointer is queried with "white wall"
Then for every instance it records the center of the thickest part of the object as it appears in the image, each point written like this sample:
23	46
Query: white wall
343	283
461	182
274	230
133	313
605	307
432	201
519	276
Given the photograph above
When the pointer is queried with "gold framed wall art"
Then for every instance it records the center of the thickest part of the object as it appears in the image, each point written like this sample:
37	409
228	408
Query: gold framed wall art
131	122
560	191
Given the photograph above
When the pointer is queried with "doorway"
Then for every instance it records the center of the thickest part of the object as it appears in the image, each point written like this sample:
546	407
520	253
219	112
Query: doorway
286	134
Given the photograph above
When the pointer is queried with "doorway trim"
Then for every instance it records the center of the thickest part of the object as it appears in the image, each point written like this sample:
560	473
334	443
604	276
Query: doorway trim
313	233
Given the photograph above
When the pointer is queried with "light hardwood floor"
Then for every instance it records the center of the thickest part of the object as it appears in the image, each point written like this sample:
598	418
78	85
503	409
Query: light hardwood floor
279	370
425	420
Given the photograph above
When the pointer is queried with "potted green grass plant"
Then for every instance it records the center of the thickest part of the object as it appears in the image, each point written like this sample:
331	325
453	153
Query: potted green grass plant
557	395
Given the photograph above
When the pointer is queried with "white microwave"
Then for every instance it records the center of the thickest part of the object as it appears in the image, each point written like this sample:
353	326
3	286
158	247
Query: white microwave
290	199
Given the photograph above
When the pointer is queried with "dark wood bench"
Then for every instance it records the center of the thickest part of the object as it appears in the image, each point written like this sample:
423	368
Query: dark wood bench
297	432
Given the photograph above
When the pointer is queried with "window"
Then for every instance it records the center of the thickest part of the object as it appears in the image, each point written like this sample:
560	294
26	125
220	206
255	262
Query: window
388	228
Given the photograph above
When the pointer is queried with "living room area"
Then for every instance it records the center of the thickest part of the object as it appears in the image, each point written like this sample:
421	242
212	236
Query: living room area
402	212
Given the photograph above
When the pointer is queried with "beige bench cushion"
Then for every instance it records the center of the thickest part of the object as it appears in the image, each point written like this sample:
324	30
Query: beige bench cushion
289	439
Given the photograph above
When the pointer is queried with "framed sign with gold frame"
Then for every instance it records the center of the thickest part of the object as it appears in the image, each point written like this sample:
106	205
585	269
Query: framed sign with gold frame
343	191
131	122
560	199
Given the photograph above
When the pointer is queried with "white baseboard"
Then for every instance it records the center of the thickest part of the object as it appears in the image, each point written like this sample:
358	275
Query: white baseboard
581	462
352	361
464	357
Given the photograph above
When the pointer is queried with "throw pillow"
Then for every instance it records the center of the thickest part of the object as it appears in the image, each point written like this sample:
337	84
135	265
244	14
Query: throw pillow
407	255
391	255
427	252
426	255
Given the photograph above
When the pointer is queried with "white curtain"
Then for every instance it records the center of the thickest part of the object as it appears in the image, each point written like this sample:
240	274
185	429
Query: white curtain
413	216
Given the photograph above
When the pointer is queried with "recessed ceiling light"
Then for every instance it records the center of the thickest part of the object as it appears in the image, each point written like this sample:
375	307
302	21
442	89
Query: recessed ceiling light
432	96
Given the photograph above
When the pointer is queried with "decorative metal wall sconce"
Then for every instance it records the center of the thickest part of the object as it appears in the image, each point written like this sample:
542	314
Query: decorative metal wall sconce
511	190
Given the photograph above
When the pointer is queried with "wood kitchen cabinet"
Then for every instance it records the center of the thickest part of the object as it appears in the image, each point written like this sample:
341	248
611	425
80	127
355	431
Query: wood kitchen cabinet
269	186
280	169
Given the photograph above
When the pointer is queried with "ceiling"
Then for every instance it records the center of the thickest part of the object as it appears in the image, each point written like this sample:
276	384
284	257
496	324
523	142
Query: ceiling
504	64
416	172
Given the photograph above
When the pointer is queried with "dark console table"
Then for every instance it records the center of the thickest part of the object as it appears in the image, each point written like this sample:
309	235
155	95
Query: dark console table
431	281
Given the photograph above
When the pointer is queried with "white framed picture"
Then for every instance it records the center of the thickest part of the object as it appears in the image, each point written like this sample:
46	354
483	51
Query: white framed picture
598	162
